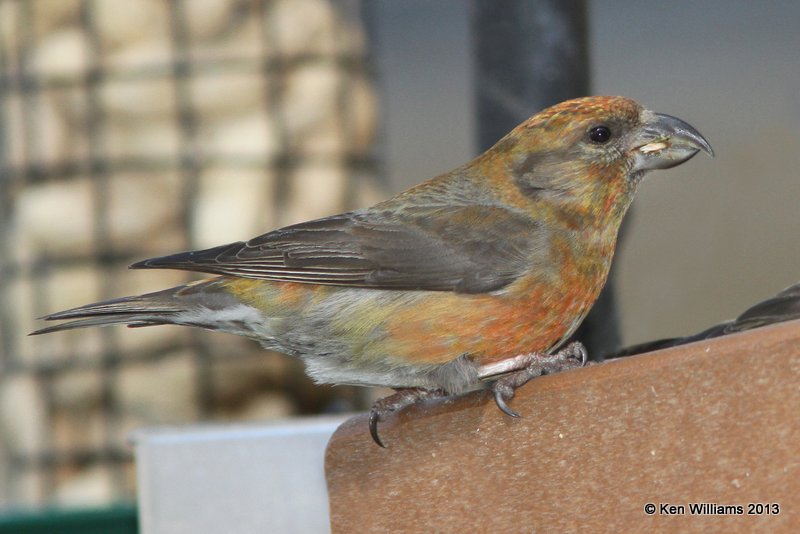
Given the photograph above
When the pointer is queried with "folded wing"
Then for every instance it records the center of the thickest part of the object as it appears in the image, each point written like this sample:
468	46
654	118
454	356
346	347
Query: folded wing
469	249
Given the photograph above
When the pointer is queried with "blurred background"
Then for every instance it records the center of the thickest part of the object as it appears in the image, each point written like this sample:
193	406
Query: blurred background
134	128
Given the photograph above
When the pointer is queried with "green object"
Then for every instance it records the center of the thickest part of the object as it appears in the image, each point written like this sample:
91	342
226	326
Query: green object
115	520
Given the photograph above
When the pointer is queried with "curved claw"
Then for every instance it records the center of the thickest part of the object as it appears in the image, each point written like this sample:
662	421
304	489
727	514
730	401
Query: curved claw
500	400
574	350
584	354
391	404
373	428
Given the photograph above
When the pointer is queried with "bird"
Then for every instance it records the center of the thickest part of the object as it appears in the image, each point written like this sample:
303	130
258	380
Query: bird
473	279
785	306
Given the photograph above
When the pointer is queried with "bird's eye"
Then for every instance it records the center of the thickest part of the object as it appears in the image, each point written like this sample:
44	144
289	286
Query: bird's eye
600	134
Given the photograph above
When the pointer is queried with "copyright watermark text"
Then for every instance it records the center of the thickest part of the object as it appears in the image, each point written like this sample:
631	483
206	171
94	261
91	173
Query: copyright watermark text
712	508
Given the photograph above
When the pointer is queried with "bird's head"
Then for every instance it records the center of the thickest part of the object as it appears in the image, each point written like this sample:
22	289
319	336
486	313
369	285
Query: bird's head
594	151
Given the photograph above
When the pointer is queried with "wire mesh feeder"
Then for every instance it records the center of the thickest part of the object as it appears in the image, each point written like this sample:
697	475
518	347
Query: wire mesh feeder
131	129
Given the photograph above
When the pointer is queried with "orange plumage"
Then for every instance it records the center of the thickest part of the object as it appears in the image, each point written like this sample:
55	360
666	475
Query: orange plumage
433	287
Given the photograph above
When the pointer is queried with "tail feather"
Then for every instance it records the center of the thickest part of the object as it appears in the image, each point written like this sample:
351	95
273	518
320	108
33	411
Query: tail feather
162	307
131	320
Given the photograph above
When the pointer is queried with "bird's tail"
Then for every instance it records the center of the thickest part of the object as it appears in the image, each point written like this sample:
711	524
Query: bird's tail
193	304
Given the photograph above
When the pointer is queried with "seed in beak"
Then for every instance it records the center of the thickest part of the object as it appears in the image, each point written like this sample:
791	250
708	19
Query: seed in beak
656	146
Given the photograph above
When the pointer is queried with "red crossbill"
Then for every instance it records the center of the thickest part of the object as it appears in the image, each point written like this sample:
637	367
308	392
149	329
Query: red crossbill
483	271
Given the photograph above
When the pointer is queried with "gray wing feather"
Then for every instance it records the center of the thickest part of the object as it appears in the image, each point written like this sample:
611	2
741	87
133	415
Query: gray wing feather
470	249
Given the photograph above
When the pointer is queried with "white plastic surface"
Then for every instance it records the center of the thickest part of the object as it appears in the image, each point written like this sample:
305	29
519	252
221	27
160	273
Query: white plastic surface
234	478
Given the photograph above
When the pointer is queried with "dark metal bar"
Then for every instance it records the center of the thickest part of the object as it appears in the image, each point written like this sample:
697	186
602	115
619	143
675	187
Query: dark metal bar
99	174
8	327
275	70
70	169
530	55
191	164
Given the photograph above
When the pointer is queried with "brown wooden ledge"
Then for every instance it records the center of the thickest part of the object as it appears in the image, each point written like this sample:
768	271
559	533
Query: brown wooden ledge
711	422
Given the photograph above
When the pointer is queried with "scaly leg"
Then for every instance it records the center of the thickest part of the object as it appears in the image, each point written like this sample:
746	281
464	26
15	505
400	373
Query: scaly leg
527	366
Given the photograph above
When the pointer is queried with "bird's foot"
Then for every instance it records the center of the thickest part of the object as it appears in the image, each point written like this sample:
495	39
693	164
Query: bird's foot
382	408
536	364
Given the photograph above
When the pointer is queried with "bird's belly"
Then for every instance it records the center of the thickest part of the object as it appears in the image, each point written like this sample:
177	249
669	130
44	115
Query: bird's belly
487	328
